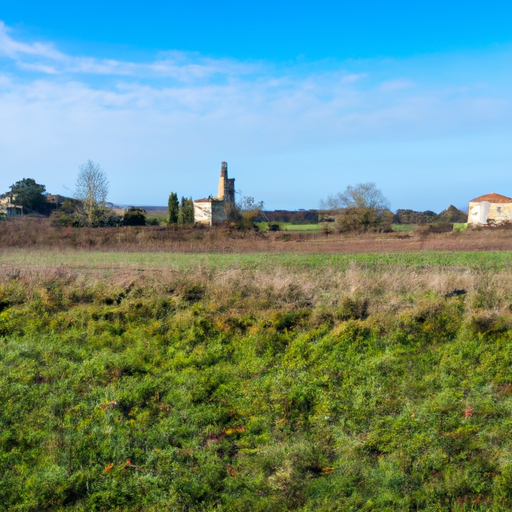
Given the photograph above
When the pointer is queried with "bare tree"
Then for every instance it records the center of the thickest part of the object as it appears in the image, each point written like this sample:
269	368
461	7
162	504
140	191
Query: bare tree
91	189
363	195
359	208
248	203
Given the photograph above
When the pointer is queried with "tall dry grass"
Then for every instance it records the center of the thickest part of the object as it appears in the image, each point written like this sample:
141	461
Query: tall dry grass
386	292
30	233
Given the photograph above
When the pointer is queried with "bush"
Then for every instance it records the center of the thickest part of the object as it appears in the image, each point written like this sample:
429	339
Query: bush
246	221
435	227
361	220
452	214
98	218
403	216
134	216
460	226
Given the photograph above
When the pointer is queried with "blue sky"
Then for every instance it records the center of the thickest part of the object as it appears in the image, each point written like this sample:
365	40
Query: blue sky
300	98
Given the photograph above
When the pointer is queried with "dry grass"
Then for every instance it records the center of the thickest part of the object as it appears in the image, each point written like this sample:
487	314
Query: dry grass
36	253
386	290
39	233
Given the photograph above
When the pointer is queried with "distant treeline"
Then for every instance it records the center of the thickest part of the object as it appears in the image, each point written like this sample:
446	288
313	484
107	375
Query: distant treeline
295	217
451	214
402	216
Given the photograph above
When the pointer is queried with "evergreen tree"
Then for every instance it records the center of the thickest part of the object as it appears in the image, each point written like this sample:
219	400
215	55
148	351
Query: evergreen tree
30	195
173	209
186	213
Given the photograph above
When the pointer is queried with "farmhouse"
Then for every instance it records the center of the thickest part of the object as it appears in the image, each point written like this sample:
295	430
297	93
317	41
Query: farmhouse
490	209
7	207
213	210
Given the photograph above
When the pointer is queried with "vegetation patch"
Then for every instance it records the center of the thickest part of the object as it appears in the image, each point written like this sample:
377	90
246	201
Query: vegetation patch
354	386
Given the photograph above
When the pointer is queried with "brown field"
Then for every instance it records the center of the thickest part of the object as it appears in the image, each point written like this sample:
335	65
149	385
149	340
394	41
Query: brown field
39	233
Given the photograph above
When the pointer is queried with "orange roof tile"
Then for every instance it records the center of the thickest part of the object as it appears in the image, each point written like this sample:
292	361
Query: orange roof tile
492	198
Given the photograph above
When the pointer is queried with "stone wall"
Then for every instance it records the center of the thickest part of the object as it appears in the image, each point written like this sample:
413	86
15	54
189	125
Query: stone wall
203	212
483	212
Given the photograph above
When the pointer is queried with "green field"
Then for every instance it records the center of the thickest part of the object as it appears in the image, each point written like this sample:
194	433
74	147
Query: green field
139	260
403	228
265	382
288	226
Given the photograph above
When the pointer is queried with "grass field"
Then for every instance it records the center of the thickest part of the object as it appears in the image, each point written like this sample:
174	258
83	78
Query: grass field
255	382
317	228
497	260
288	226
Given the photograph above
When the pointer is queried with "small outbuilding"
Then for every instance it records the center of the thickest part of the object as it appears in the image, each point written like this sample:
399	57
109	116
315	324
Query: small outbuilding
490	209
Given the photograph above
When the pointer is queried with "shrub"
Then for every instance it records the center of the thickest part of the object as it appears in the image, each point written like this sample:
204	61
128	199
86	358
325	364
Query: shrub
134	216
452	214
434	228
352	309
459	227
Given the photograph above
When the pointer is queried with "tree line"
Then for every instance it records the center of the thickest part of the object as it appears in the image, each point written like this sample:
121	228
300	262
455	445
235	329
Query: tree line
358	208
89	206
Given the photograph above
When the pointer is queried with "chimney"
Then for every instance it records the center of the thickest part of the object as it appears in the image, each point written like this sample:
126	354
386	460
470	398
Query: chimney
222	181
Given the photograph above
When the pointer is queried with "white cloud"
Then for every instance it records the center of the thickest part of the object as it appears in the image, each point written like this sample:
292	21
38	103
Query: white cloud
15	49
182	66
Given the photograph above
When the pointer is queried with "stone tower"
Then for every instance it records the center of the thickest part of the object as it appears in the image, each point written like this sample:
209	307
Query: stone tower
226	191
212	210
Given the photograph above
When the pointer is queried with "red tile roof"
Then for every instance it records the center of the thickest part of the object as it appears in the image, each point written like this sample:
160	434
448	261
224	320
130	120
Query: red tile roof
492	198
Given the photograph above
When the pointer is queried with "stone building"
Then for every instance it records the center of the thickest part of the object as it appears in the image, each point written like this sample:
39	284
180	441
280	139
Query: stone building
7	207
490	209
213	210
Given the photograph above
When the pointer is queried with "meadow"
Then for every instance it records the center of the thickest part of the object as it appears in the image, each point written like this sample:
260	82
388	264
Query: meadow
260	382
289	226
158	260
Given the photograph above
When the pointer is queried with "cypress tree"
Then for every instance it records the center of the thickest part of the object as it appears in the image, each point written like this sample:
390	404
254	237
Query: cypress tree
186	214
173	209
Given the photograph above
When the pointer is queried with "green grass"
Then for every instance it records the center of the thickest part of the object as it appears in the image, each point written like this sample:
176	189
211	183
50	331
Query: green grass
403	228
288	226
194	394
488	260
460	226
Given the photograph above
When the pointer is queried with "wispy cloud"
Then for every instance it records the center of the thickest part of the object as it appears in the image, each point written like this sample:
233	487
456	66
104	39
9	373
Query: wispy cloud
182	66
351	78
16	50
